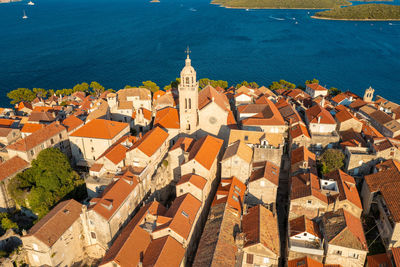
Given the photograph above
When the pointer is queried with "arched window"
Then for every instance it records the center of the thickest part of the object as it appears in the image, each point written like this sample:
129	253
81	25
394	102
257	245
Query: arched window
187	80
186	103
190	103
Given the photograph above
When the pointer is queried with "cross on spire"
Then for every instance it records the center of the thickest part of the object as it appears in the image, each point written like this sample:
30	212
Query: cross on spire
188	51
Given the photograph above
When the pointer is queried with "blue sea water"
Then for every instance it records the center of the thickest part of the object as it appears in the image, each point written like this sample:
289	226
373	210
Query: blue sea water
124	42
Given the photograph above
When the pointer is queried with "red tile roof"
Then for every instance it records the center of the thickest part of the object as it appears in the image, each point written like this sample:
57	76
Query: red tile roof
6	122
209	94
379	260
52	226
301	224
302	154
316	87
164	251
206	150
396	255
167	118
183	212
270	172
133	241
37	137
194	179
11	167
101	129
151	141
304	262
230	191
114	195
316	112
267	114
31	127
72	122
147	114
260	226
298	130
185	143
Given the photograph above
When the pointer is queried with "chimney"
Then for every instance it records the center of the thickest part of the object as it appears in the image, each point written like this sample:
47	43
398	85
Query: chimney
186	156
319	119
140	135
323	102
212	98
394	115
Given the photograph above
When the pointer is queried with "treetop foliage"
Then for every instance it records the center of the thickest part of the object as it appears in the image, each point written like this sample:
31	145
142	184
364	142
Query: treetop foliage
331	160
282	84
48	181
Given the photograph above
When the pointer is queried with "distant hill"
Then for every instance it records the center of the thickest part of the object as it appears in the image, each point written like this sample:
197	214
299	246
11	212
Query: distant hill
281	4
362	12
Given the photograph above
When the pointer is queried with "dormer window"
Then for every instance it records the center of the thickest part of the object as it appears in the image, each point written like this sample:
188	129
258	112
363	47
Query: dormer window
185	214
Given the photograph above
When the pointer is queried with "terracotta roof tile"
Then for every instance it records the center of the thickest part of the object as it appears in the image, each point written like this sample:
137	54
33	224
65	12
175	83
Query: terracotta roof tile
114	195
396	255
379	260
260	226
316	87
304	262
266	114
37	137
230	191
6	122
185	143
151	141
183	212
302	154
298	130
194	179
31	127
133	240
101	129
302	224
209	94
240	149
167	118
206	150
343	229
270	172
52	226
164	251
72	122
11	167
316	112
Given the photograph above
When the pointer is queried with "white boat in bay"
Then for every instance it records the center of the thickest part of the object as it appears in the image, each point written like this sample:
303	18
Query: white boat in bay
24	16
30	3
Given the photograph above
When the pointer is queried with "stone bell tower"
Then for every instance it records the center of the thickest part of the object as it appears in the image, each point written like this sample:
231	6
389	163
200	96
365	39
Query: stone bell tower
369	94
188	98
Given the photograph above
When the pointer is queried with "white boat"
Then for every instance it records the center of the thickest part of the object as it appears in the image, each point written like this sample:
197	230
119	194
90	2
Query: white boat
24	16
30	3
247	9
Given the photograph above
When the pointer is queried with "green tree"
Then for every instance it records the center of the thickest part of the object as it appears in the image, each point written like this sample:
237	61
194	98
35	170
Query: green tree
282	84
152	86
111	90
40	92
81	87
97	88
244	83
49	180
333	91
253	85
312	81
64	92
331	160
6	224
205	81
21	94
127	86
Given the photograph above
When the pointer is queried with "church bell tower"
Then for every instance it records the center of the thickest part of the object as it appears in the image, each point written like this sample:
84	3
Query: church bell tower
188	98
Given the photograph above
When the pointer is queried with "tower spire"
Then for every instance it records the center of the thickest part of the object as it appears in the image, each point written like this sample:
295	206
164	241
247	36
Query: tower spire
188	52
188	61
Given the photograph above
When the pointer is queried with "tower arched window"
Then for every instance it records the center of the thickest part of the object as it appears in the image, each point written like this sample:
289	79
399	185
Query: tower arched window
190	103
186	104
187	80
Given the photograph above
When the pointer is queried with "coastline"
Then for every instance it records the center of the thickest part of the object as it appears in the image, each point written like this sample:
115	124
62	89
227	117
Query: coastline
326	18
272	8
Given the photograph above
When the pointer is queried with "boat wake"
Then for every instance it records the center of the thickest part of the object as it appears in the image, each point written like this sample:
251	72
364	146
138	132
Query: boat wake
276	18
192	9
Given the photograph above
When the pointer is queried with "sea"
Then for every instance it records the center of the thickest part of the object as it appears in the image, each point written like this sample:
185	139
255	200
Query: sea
125	42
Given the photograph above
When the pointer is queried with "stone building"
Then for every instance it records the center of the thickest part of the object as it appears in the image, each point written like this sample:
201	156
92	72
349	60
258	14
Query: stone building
237	161
345	242
380	198
346	121
314	90
194	184
9	136
299	136
57	239
177	155
218	243
90	141
304	239
263	184
303	160
105	216
261	237
53	135
8	170
168	119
